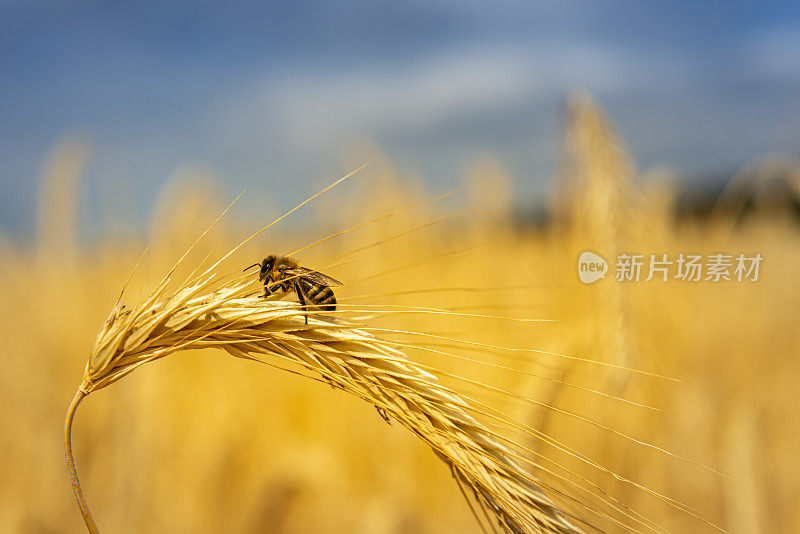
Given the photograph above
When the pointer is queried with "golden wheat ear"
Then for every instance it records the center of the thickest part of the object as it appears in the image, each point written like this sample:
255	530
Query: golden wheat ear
229	317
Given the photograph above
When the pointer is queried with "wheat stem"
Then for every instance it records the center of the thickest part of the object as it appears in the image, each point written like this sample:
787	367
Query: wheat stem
73	474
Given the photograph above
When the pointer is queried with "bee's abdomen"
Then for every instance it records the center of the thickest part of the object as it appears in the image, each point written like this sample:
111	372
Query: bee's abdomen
323	297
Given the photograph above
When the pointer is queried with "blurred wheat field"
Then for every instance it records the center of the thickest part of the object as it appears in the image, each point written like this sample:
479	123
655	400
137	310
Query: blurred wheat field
201	442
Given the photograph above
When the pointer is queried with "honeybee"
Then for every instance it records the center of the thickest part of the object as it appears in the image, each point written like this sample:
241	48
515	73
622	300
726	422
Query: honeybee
313	288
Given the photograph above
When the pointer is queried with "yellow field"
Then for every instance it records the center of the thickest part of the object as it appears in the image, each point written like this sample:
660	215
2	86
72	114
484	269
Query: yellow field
202	442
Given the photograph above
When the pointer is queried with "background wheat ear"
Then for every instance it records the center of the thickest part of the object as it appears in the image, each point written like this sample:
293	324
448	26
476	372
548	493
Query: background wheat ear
232	317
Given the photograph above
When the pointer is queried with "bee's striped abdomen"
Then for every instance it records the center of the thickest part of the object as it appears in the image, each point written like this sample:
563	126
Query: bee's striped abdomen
320	295
325	299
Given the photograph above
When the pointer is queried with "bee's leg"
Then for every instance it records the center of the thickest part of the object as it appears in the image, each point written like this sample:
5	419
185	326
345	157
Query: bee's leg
267	290
331	383
301	297
383	414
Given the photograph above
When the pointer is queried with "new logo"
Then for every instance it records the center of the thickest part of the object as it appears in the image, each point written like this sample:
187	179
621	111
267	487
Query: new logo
591	267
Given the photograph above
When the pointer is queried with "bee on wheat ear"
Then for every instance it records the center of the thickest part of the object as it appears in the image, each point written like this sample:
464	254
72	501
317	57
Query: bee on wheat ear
283	273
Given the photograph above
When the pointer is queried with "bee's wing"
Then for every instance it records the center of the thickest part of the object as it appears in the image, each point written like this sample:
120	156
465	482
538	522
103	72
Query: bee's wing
314	276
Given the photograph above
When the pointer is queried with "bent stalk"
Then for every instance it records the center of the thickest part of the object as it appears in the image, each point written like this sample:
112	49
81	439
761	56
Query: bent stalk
73	474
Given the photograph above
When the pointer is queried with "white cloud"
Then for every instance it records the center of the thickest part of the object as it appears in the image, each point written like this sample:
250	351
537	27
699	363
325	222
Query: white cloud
320	105
311	108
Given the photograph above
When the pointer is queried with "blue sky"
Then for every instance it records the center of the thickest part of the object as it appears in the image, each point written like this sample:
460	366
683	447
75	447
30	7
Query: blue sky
271	94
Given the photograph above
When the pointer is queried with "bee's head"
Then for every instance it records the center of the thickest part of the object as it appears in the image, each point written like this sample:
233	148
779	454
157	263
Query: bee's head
266	267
